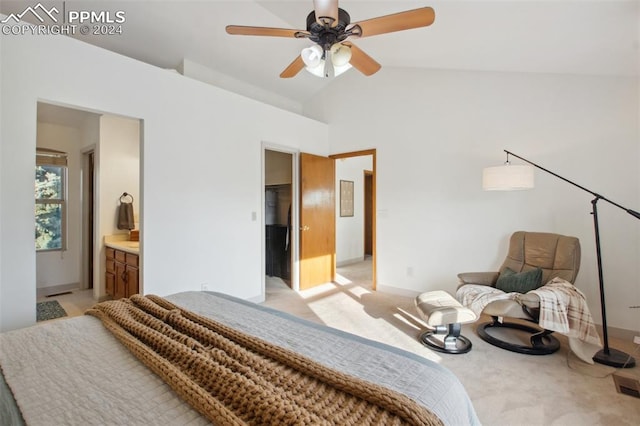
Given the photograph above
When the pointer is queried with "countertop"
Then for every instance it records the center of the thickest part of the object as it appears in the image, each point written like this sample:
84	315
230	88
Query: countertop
121	242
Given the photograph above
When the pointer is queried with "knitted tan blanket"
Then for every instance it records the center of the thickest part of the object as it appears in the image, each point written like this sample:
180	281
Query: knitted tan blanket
233	378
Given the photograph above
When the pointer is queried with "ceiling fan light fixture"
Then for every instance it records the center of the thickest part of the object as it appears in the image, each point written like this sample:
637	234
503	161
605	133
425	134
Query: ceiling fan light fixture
337	70
319	66
312	56
318	70
315	60
340	55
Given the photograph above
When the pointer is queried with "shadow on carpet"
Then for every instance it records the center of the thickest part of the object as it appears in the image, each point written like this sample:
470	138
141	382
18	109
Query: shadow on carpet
49	310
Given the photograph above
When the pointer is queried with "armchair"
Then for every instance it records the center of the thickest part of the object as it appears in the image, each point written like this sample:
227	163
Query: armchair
556	256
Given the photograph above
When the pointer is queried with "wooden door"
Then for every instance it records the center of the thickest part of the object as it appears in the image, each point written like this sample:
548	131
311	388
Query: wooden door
91	229
110	275
132	281
317	220
110	283
368	213
120	289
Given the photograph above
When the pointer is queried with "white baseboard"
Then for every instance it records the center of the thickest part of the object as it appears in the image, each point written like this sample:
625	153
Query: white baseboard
349	261
619	333
397	291
257	299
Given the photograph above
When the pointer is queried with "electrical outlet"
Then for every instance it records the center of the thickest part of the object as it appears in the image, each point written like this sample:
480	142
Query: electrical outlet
204	287
636	340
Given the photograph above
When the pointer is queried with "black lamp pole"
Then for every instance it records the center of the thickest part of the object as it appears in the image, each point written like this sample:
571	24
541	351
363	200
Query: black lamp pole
607	356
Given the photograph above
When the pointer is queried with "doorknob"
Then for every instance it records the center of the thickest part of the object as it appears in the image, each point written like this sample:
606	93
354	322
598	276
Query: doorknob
304	228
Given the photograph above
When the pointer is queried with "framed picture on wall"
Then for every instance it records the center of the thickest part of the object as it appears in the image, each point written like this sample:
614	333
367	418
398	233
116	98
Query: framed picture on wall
346	198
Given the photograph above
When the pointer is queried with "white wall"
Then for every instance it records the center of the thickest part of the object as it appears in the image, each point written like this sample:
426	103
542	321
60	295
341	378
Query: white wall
350	230
434	131
197	226
119	168
118	171
62	268
202	73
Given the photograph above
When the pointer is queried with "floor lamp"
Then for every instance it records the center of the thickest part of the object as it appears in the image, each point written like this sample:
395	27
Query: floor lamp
510	177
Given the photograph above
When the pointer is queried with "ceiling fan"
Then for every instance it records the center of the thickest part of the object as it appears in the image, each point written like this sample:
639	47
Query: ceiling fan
329	27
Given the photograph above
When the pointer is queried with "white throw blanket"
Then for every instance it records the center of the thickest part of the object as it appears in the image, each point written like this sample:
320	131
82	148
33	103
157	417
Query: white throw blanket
563	308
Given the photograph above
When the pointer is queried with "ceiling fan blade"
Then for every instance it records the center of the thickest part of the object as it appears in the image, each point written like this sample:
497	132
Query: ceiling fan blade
361	61
266	31
396	22
326	9
294	68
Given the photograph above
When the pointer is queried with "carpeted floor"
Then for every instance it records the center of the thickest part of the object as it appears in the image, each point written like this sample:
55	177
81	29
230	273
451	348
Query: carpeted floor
49	310
506	388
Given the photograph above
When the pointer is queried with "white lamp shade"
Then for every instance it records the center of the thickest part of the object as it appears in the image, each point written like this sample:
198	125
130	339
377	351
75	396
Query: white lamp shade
340	55
507	178
315	61
337	70
312	56
318	70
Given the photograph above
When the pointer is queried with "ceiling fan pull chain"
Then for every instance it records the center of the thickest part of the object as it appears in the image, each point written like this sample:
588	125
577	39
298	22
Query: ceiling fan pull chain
328	66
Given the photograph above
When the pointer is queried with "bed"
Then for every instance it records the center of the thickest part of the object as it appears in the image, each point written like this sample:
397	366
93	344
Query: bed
74	371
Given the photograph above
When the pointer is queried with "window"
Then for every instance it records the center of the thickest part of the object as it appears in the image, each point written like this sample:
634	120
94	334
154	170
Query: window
50	194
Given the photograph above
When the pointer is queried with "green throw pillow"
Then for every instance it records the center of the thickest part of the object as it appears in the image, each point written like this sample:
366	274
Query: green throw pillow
509	281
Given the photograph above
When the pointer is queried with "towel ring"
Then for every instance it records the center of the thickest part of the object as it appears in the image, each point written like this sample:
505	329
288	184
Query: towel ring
124	195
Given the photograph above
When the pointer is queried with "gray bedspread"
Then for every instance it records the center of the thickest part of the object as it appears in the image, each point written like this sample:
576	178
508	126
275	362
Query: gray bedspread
74	372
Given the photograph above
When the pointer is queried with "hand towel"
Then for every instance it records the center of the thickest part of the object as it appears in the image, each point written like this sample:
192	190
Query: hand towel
125	216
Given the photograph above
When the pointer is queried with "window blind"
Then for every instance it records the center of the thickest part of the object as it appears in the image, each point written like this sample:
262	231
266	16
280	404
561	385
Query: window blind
50	157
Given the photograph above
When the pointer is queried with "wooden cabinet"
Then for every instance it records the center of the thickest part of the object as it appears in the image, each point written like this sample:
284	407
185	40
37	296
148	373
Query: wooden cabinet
122	275
131	274
110	281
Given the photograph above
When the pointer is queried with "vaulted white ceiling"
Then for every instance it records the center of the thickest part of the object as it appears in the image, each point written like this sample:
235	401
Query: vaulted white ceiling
549	36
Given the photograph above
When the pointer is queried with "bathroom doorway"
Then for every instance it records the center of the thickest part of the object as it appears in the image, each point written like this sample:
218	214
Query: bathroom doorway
89	139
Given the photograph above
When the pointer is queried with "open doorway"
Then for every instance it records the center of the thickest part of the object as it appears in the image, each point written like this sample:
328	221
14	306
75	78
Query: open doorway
355	217
278	212
363	214
88	139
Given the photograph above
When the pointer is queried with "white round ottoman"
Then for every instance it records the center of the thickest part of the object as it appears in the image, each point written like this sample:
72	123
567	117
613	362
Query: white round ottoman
445	315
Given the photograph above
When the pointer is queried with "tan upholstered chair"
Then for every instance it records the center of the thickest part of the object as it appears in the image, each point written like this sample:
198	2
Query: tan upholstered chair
557	256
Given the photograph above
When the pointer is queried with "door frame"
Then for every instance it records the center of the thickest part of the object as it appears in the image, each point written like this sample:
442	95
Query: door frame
88	209
368	212
363	153
295	200
295	212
